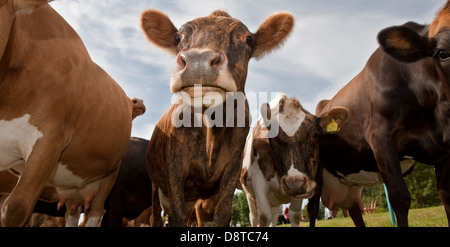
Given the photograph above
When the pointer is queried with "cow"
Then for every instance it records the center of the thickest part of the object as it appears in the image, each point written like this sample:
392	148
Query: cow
399	109
64	122
138	107
132	191
281	168
186	162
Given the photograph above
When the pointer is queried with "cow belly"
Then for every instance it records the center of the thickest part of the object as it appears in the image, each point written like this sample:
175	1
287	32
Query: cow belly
17	137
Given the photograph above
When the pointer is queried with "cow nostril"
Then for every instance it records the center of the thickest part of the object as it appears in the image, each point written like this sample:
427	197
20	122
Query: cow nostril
217	61
181	60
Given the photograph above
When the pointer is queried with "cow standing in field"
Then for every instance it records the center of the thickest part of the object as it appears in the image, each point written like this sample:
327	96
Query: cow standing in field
132	191
212	55
51	131
280	167
399	108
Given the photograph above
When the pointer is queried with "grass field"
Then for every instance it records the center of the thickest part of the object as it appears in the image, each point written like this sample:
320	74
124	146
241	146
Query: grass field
423	217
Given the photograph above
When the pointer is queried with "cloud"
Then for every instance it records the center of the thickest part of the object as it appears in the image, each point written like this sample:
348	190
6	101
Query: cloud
331	43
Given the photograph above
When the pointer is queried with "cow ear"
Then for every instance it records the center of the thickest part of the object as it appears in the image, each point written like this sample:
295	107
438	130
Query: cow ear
405	44
331	120
266	114
159	30
272	33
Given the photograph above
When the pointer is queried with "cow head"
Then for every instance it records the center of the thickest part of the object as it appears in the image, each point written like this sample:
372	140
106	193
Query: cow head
8	9
406	45
214	51
138	107
297	143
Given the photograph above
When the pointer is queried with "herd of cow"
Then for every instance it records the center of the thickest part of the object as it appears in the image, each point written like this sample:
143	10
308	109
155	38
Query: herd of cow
60	153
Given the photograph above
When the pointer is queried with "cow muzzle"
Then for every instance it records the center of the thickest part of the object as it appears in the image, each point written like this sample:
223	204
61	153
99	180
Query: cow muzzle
299	187
202	74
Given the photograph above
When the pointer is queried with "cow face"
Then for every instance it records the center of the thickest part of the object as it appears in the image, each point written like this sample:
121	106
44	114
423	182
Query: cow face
213	51
8	9
296	146
406	45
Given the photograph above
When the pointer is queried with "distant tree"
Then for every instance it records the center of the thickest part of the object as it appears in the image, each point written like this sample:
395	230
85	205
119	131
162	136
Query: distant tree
423	187
240	210
421	183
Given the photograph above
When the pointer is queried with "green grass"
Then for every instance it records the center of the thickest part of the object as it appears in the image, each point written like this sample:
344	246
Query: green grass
423	217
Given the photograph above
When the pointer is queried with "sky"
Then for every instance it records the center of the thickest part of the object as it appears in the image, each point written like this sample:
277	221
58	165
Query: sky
330	44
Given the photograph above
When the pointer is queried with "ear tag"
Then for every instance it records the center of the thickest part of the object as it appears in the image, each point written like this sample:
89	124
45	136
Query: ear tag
332	127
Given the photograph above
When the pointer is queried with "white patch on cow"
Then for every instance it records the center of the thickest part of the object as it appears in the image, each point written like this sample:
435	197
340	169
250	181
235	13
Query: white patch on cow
64	177
294	173
73	219
92	221
290	123
18	138
275	101
248	151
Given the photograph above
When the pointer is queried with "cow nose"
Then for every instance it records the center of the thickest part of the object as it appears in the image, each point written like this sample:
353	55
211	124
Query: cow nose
200	60
293	185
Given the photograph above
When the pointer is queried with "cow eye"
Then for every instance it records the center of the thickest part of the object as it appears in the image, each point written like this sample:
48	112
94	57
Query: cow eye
177	39
249	40
443	55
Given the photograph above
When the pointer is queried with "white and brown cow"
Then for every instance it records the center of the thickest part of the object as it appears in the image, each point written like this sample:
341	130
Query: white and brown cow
64	122
191	163
280	167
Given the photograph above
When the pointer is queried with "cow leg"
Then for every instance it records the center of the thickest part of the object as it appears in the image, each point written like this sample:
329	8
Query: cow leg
155	218
314	202
389	165
72	214
200	215
177	211
253	216
95	209
295	212
443	184
113	216
222	211
262	201
41	162
355	213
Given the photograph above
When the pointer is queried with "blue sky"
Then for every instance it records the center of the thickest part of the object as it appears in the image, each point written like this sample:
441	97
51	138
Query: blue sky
330	44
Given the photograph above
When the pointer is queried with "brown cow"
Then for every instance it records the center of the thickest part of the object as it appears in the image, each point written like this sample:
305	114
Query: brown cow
51	133
399	107
280	167
190	163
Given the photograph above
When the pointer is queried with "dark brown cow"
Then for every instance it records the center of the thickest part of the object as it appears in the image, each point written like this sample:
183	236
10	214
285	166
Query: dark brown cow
50	130
399	109
190	163
132	191
280	167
